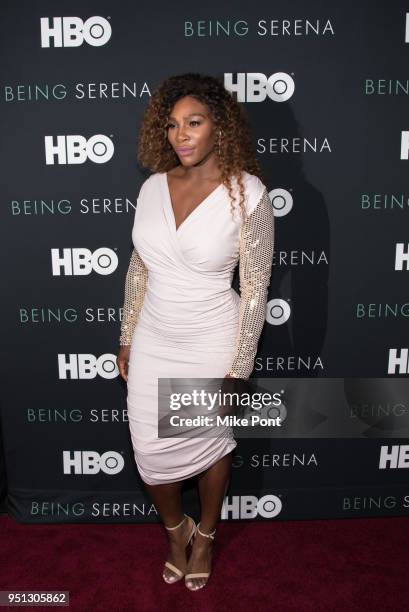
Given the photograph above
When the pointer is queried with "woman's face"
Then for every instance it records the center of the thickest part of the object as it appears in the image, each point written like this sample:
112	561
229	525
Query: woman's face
191	131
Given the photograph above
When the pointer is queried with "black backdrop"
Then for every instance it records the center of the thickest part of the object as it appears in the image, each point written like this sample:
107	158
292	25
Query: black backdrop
335	154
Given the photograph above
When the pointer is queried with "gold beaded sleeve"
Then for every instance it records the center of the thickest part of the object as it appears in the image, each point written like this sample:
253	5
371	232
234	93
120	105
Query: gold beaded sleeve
135	288
255	263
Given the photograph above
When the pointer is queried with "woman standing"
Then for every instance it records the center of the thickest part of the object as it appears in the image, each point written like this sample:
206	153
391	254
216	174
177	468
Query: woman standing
202	210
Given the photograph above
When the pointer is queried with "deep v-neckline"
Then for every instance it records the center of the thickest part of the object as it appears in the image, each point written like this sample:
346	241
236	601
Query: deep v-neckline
165	175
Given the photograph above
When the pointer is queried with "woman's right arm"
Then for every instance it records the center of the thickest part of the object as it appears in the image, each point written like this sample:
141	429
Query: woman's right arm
135	288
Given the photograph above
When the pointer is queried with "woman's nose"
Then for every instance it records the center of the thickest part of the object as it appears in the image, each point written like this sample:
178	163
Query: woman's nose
181	135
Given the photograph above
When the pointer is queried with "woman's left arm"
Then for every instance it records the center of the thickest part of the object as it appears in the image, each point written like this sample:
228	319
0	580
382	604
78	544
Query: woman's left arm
255	263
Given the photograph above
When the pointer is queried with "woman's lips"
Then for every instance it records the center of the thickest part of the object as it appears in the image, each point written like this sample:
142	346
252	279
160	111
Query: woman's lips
184	151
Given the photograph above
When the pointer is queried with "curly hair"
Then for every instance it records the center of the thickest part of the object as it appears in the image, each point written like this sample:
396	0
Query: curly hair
235	151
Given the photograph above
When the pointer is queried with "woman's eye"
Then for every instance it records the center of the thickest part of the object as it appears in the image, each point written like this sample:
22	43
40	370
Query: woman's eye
171	125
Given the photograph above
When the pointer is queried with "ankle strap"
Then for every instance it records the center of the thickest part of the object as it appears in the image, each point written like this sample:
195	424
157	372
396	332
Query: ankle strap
206	535
176	526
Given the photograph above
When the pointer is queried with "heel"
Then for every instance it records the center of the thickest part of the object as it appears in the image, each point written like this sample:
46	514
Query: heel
178	574
188	577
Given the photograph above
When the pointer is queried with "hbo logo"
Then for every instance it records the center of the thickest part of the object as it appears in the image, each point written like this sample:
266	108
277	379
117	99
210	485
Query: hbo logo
278	311
72	31
398	361
76	149
86	366
248	506
401	255
255	86
91	462
81	261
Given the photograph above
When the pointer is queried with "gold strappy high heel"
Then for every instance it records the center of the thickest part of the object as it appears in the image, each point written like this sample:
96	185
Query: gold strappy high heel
170	565
199	574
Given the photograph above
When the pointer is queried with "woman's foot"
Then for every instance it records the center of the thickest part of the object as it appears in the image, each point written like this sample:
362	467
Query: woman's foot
179	538
200	560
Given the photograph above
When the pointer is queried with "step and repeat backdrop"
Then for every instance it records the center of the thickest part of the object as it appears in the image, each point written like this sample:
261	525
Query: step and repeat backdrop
326	87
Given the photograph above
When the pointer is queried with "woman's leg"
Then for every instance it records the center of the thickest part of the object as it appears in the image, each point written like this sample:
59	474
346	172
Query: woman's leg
213	485
168	502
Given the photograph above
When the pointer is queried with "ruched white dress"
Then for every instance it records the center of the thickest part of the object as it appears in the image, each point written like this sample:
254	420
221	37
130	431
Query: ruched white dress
182	318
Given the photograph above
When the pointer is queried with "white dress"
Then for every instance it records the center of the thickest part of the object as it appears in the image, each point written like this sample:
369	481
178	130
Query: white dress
182	318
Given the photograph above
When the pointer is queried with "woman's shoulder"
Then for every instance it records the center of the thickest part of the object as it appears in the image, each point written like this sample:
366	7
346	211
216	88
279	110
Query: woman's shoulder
254	189
149	183
252	181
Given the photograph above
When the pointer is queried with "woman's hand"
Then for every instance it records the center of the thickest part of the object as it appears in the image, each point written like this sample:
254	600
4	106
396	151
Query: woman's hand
122	361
